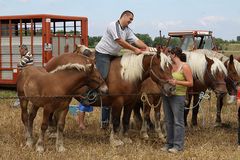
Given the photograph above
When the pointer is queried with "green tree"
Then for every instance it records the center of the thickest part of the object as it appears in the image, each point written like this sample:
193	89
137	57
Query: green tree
145	38
174	42
92	41
159	41
219	43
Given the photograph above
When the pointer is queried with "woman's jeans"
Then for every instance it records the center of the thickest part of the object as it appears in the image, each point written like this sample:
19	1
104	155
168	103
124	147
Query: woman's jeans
173	107
103	64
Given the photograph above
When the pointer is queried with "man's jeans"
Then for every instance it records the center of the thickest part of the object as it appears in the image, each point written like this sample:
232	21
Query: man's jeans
173	107
103	64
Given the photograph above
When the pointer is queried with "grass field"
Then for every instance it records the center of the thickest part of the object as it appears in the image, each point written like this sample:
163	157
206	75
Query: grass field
201	143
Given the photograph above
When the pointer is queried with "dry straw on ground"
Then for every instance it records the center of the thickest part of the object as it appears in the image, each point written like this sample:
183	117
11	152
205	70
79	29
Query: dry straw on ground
203	142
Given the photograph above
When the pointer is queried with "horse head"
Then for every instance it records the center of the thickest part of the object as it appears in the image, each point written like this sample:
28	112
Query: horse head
161	72
95	80
233	77
163	49
83	50
215	75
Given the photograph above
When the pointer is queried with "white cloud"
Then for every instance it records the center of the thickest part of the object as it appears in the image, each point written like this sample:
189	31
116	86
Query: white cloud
24	1
169	24
236	20
211	20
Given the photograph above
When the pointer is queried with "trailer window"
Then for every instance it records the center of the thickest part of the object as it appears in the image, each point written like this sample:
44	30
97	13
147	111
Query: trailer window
37	29
4	29
66	27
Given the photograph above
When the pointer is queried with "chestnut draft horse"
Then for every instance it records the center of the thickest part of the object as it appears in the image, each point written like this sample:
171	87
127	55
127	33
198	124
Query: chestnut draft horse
150	99
238	59
124	82
207	73
232	80
53	91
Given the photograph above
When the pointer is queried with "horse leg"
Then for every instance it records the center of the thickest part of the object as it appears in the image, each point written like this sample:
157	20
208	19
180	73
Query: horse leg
125	123
44	126
52	125
137	115
52	128
187	108
195	109
146	113
239	127
116	114
32	115
219	109
158	128
60	128
25	117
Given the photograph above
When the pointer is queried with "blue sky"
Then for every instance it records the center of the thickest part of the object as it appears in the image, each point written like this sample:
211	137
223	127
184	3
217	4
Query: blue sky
220	16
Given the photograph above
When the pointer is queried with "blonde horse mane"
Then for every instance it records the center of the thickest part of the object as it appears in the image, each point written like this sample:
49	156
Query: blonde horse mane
77	66
198	64
237	66
132	65
218	55
213	54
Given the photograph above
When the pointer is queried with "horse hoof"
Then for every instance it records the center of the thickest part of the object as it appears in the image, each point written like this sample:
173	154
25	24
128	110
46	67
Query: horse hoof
162	138
238	148
52	135
116	143
61	149
133	125
144	136
40	149
218	124
194	124
29	143
127	140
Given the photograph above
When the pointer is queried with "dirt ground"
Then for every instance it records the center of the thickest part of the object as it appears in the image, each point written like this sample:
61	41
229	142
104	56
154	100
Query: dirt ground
201	143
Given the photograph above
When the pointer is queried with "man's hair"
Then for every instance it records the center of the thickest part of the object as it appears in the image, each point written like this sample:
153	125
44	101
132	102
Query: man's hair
127	12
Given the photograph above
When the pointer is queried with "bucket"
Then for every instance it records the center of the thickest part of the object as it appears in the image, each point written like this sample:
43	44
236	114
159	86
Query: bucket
85	108
73	109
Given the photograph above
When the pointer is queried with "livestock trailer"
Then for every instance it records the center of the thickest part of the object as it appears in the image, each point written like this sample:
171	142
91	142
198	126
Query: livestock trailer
45	35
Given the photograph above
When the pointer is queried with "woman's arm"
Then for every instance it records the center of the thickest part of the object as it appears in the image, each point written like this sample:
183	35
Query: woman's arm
188	76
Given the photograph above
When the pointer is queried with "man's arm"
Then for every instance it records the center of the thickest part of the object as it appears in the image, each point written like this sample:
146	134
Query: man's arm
127	45
140	44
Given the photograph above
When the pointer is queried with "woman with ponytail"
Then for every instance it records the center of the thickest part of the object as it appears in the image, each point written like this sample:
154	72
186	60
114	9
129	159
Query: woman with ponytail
173	106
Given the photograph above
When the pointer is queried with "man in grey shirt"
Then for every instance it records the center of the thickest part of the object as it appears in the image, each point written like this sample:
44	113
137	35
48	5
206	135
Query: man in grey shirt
117	36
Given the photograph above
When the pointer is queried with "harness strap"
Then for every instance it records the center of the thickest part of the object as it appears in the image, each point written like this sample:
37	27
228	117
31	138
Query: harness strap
144	98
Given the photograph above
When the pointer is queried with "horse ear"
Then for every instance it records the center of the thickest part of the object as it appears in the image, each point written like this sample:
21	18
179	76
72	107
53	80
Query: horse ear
231	59
210	61
89	67
221	59
159	49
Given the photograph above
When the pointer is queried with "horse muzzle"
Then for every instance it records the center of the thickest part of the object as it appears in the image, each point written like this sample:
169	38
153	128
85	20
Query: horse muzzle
169	90
220	92
103	88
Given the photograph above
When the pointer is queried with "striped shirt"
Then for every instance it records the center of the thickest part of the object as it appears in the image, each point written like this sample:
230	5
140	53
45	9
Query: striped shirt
26	60
108	45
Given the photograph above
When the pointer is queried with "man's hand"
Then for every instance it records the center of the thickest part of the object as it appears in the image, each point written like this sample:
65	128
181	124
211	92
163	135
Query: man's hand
137	51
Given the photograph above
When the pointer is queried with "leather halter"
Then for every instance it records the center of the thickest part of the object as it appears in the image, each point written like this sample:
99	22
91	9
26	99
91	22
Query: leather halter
154	74
90	79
